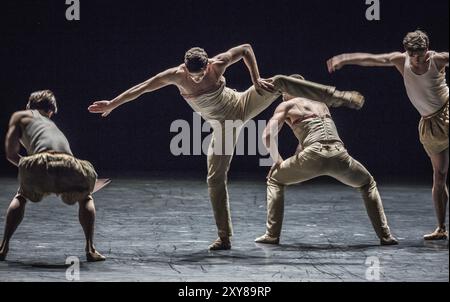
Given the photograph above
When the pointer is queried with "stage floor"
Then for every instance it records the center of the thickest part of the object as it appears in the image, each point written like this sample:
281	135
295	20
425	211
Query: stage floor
158	230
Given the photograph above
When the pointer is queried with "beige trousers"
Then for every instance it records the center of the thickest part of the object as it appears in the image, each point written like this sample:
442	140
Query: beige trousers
245	106
317	160
433	131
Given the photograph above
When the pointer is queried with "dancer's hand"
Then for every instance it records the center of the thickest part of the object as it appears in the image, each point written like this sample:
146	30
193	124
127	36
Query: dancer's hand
262	85
335	63
103	107
274	167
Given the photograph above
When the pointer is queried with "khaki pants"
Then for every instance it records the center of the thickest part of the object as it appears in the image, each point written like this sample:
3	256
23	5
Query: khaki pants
245	106
44	174
317	160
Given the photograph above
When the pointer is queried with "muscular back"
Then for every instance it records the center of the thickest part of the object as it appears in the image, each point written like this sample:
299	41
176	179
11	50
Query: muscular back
300	109
37	133
22	119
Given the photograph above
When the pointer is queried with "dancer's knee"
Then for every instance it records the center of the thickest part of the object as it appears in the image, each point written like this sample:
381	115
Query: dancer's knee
217	179
440	178
86	200
21	199
272	182
369	186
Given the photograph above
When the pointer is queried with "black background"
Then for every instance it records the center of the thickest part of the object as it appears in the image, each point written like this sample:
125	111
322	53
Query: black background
118	44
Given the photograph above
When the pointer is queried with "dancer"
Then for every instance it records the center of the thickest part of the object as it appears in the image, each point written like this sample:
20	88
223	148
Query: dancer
321	152
423	71
50	167
200	81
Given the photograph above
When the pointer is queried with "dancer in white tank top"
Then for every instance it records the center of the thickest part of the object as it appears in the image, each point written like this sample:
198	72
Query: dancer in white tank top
423	71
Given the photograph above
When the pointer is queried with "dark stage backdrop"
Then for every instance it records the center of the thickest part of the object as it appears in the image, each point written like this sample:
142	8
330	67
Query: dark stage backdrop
117	44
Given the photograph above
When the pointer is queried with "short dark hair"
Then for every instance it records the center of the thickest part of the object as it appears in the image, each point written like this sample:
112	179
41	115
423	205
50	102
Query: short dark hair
196	59
43	100
297	76
416	41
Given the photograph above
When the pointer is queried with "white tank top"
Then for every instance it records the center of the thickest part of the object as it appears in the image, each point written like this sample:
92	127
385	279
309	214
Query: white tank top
428	92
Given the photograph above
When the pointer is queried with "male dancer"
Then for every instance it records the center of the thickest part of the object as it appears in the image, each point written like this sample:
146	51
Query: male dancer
423	71
201	83
49	168
322	153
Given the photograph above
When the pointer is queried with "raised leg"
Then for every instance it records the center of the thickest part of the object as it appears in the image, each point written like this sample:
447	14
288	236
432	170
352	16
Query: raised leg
318	92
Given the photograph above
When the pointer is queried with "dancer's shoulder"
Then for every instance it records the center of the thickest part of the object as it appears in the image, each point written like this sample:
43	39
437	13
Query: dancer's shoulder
286	106
174	74
441	59
397	56
17	116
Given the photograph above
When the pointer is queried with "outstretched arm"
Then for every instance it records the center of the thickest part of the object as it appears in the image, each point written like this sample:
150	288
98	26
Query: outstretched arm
270	135
12	142
161	80
246	53
396	59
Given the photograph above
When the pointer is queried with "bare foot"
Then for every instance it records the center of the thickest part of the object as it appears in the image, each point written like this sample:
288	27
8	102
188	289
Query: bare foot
3	253
438	234
94	256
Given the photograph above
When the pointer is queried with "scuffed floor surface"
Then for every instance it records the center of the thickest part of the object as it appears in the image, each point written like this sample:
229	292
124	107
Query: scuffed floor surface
159	230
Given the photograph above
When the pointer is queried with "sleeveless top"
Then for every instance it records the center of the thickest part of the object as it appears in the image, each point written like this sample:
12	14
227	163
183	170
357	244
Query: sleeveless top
428	92
42	135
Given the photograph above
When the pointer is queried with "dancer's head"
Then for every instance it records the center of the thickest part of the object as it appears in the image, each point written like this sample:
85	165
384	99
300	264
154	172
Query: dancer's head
416	44
287	96
196	61
44	101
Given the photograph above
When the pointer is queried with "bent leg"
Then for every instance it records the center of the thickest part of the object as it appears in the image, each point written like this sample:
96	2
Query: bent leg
296	169
14	217
352	173
87	221
440	193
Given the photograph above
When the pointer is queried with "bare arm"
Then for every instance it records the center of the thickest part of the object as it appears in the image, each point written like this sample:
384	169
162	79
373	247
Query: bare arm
270	134
395	59
246	53
12	142
161	80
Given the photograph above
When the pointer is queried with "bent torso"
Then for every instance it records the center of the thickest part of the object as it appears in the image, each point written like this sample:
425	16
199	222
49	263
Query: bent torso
302	109
212	81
